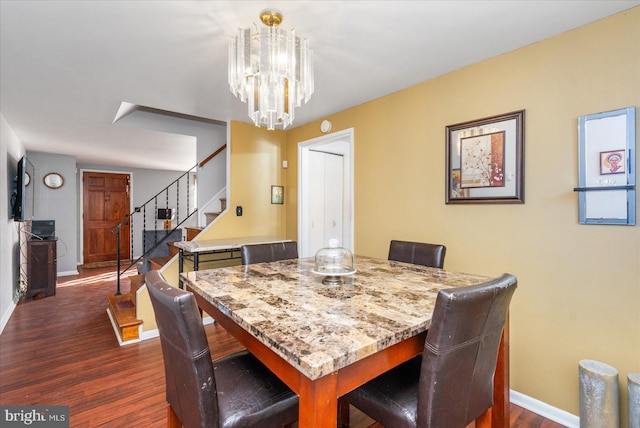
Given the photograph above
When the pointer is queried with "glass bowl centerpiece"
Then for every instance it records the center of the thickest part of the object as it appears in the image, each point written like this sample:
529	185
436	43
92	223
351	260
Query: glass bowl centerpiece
333	262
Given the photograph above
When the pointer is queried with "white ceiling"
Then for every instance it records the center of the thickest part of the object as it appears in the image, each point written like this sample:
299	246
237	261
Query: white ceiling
66	66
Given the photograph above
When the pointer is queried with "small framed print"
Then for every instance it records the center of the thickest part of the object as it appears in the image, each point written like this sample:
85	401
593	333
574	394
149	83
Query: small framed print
612	162
277	194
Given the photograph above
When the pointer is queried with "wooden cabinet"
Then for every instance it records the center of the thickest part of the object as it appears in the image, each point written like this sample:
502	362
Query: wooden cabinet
42	268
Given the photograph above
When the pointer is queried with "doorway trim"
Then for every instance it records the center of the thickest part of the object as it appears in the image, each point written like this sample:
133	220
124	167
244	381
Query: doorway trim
340	143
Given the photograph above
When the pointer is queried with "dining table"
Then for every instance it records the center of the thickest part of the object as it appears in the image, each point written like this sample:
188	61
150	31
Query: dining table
324	340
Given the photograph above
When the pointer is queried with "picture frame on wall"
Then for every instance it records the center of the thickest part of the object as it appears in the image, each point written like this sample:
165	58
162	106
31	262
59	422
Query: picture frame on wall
612	162
485	160
277	195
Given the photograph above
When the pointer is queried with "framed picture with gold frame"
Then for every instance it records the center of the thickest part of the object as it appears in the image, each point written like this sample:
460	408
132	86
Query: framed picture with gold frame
277	195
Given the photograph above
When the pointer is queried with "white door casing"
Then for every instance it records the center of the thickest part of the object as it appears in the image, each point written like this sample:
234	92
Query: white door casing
341	144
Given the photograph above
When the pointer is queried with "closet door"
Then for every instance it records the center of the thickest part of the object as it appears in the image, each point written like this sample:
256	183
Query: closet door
333	197
326	199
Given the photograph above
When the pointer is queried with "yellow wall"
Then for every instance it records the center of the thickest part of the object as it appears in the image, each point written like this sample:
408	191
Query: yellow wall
255	165
579	285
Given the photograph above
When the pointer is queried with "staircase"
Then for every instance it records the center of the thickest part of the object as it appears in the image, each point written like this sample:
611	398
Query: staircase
167	207
157	263
210	216
122	308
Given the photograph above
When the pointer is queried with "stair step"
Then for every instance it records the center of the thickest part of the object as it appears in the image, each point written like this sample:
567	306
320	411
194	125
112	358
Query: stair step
173	250
192	232
211	216
123	310
157	262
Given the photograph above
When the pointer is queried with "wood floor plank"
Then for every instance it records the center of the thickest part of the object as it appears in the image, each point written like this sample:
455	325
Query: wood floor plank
61	350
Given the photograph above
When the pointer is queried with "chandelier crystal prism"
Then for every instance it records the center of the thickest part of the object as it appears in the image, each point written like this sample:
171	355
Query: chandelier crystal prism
271	70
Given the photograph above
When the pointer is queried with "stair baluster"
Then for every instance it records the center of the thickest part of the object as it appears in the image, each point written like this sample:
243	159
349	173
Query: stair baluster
116	229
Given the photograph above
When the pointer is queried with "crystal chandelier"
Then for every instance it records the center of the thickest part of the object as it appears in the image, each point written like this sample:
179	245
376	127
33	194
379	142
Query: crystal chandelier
271	70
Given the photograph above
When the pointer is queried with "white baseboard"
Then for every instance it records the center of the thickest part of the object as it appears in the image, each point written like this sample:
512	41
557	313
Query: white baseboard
68	273
543	409
7	315
150	334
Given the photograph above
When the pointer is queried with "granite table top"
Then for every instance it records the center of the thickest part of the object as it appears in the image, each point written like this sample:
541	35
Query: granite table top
321	328
225	243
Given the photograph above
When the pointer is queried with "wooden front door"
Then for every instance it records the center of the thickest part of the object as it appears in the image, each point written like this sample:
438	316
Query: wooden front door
106	202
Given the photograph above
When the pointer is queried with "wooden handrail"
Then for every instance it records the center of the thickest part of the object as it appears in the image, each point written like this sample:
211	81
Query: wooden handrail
212	155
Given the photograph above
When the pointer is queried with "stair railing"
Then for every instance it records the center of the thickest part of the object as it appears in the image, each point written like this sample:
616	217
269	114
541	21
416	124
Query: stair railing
172	199
188	212
212	155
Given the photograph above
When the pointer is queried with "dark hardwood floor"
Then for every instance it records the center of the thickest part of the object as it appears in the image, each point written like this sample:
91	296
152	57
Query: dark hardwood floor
61	350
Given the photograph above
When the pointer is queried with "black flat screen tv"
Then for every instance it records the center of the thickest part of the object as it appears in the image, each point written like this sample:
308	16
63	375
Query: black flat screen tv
23	197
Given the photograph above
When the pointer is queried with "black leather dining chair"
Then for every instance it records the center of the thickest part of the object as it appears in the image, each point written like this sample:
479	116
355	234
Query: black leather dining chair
260	253
451	383
236	390
419	253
